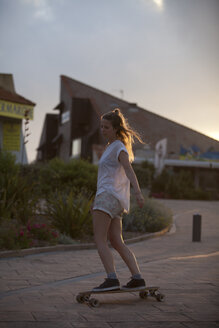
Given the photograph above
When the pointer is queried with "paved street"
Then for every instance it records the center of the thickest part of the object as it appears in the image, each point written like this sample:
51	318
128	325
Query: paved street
38	291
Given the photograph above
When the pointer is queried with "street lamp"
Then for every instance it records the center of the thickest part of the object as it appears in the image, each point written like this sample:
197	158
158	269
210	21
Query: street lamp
26	132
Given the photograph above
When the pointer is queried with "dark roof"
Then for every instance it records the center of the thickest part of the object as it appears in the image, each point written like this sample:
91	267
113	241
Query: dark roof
14	97
139	118
68	80
59	106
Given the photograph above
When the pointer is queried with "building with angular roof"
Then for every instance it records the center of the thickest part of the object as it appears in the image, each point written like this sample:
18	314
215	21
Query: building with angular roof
75	129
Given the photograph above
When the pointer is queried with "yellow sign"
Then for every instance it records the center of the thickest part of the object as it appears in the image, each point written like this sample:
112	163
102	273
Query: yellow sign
10	109
11	136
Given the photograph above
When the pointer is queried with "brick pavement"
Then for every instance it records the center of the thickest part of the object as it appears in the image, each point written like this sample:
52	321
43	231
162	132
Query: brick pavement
39	290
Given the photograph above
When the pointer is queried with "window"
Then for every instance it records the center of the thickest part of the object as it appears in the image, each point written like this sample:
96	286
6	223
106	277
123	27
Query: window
76	148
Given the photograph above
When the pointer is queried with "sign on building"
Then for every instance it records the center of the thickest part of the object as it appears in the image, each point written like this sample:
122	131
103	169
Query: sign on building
11	136
65	117
15	110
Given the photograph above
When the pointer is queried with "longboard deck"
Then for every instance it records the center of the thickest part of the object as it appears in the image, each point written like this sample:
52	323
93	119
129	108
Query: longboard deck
84	297
119	291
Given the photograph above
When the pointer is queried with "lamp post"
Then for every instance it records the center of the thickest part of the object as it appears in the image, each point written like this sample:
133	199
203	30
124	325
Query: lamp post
26	132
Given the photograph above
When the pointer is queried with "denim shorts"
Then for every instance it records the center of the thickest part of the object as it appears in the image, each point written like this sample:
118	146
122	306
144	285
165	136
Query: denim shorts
109	204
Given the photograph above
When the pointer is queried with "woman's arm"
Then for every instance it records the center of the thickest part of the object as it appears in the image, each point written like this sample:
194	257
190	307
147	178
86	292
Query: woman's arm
124	160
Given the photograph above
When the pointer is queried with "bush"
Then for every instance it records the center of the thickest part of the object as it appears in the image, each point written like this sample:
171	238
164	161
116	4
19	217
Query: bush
56	175
17	197
8	183
144	172
176	186
152	217
66	240
13	235
7	164
70	213
59	185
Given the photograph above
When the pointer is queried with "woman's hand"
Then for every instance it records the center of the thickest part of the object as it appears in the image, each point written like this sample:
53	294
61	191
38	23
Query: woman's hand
139	199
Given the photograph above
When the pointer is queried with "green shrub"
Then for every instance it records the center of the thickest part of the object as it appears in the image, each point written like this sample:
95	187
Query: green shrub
8	183
23	188
7	164
32	174
66	240
143	176
17	197
8	234
14	235
42	231
160	182
178	185
153	217
203	195
6	205
57	175
144	172
70	213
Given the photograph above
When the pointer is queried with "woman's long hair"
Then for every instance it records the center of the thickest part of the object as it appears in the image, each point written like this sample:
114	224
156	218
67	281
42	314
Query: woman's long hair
123	131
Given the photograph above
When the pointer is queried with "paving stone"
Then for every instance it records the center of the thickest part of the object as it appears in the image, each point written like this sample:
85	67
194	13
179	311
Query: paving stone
47	301
35	325
206	315
56	316
145	324
200	324
171	316
90	325
112	317
7	301
16	316
179	308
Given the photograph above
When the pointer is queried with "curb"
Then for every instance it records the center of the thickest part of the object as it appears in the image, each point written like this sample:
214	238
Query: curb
61	248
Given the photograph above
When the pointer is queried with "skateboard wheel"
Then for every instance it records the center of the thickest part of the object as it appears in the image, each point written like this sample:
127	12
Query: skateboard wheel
80	299
94	302
160	297
143	294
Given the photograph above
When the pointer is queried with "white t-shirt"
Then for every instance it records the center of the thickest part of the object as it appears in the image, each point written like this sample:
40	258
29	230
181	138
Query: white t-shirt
111	174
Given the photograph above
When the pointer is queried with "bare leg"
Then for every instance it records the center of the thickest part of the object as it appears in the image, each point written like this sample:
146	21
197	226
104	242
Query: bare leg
117	242
101	224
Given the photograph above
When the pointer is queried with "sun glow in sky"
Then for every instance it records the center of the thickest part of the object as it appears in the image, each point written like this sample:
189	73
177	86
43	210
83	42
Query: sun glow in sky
214	135
159	3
